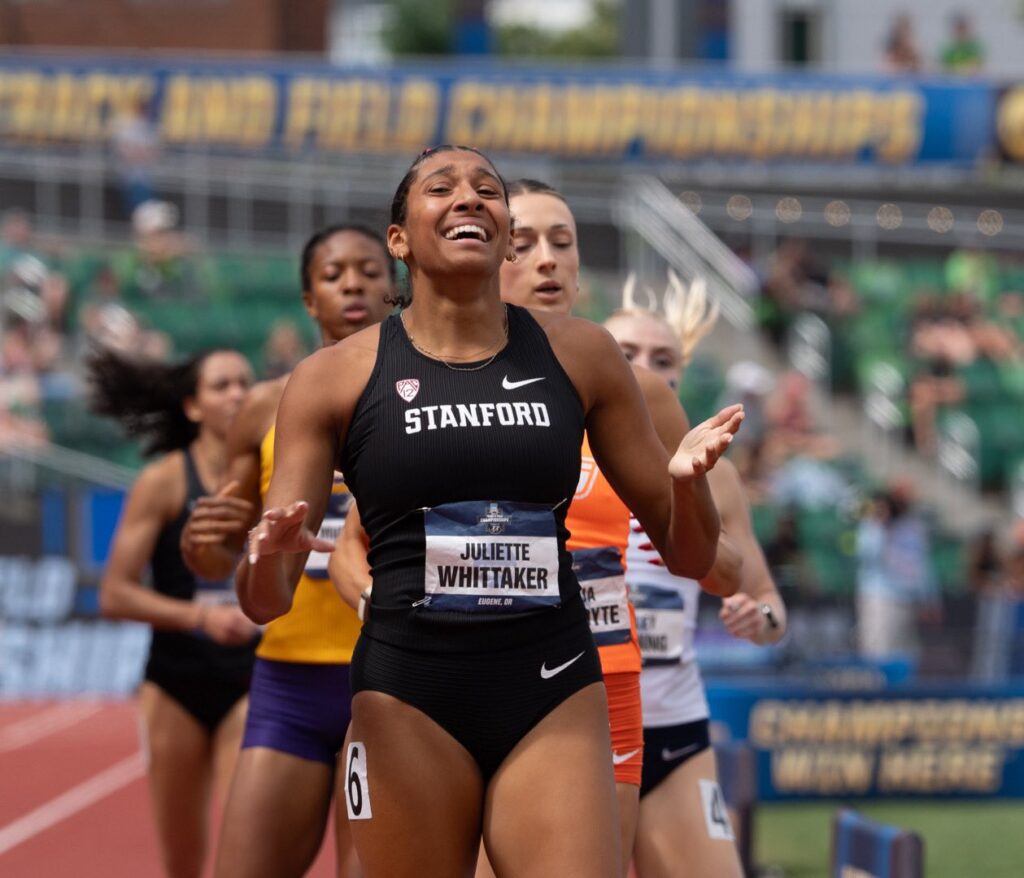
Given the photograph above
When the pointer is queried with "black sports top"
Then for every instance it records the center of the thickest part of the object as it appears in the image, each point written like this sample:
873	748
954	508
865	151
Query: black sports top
186	651
463	478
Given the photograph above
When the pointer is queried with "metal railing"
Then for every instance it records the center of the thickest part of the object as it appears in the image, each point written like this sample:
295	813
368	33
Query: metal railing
20	467
251	202
690	247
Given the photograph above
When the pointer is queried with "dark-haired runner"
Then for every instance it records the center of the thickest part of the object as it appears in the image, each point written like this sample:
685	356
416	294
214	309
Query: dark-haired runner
458	425
300	701
201	655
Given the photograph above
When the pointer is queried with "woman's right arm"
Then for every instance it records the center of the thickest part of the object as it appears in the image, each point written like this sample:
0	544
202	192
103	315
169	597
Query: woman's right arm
122	595
312	423
214	536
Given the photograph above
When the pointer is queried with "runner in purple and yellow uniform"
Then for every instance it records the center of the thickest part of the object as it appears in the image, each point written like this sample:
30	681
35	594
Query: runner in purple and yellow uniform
300	701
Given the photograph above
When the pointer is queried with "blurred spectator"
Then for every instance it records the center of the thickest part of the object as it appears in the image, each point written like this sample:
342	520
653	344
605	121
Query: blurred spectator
999	632
796	282
16	235
895	581
789	419
1013	577
963	53
809	483
33	314
750	464
749	383
785	557
106	322
21	419
27	268
939	345
901	54
973	271
1010	306
162	264
283	350
137	148
984	567
947	335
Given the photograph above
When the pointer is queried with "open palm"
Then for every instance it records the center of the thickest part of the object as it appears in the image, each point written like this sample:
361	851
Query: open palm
283	529
704	444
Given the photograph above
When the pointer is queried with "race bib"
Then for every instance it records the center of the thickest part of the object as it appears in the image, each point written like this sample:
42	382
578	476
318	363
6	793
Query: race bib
215	593
603	583
334	520
660	623
490	557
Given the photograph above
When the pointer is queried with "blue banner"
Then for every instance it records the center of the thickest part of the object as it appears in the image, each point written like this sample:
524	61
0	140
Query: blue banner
907	741
585	112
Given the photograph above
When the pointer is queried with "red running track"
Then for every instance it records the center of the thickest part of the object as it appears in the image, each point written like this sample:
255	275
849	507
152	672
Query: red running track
73	799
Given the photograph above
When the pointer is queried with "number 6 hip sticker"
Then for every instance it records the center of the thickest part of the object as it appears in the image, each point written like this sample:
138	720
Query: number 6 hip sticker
357	791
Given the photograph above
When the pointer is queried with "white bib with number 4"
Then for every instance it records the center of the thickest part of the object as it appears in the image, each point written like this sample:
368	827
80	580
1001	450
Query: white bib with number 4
716	815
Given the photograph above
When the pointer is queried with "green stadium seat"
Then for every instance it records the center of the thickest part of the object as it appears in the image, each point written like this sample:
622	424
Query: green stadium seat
764	517
981	380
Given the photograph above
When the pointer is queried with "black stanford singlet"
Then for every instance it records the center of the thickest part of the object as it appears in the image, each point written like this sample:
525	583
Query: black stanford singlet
463	479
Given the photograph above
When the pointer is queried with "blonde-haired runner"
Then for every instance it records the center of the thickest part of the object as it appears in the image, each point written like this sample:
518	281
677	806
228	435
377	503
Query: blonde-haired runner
683	830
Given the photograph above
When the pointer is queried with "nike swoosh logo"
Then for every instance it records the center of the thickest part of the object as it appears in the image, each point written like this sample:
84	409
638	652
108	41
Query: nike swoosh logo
672	755
515	385
547	673
618	759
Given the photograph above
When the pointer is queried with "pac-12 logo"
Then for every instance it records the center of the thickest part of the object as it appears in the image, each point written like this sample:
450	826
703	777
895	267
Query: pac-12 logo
408	388
494	520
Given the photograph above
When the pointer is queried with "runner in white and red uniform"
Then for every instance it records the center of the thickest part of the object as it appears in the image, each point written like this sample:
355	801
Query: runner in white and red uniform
684	830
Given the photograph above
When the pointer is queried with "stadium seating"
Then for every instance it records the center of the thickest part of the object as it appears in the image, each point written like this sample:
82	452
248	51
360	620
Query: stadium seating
238	300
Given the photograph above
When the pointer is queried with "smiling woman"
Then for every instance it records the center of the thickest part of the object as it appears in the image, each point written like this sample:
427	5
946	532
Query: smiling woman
479	705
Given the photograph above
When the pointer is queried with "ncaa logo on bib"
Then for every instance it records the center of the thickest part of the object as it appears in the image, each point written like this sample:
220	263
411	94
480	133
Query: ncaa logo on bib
494	520
408	388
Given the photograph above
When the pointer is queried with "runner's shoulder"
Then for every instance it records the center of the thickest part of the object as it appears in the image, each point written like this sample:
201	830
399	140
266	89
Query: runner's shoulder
351	360
350	357
259	410
161	483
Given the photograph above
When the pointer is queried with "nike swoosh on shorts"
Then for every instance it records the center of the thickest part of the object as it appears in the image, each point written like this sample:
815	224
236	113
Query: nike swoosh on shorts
671	755
515	385
624	757
547	673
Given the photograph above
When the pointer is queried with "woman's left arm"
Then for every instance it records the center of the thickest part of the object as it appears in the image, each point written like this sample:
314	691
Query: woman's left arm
672	426
669	495
755	612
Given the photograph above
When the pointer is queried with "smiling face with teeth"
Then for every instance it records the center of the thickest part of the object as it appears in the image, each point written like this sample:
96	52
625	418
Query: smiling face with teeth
455	218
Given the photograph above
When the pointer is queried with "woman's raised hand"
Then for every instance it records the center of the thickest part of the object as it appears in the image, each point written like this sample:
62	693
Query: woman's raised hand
283	529
704	444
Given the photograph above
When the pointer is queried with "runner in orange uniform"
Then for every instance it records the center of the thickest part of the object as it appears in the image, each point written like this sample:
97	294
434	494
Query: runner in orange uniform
545	276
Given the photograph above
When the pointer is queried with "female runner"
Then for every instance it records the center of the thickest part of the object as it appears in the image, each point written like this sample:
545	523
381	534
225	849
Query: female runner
545	276
299	705
683	830
201	655
458	425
